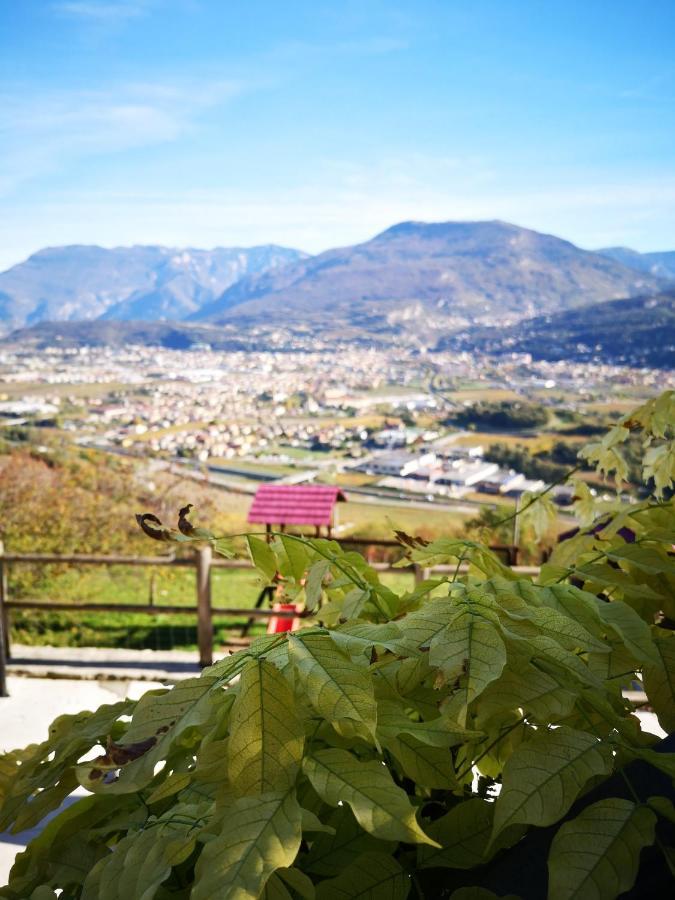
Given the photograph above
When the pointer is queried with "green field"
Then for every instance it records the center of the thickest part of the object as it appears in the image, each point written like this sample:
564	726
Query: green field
237	588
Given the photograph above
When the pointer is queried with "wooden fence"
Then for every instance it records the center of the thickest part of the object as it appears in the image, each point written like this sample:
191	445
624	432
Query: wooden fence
203	563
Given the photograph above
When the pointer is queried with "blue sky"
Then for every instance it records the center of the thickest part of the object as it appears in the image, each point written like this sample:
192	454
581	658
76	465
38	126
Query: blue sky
314	124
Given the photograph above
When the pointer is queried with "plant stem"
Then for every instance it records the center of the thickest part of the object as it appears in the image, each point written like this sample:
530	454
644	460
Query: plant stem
537	497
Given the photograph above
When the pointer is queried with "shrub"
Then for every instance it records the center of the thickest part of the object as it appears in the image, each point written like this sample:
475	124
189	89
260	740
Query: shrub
503	415
400	743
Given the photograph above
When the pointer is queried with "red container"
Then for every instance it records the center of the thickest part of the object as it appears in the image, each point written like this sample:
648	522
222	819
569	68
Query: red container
278	624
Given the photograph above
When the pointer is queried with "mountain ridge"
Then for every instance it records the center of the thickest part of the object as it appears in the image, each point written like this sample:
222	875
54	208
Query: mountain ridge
458	272
413	281
660	263
86	281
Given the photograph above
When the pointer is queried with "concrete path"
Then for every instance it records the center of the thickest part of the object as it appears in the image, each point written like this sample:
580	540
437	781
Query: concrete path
102	662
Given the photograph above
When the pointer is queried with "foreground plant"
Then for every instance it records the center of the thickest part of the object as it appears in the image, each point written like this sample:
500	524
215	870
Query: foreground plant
398	745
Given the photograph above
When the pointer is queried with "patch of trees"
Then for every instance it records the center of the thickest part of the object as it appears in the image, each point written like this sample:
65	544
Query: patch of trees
504	415
548	467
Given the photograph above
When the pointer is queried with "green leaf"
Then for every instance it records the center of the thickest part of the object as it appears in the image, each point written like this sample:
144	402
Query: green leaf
392	722
70	844
659	678
301	884
597	855
140	862
652	560
160	720
380	807
664	806
262	556
430	767
361	637
633	631
258	836
314	583
523	686
332	852
545	775
298	556
42	777
266	735
470	649
373	876
275	889
558	626
539	511
463	833
336	687
659	464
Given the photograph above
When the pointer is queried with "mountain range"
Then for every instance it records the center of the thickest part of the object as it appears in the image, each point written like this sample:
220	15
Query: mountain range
441	276
418	282
126	283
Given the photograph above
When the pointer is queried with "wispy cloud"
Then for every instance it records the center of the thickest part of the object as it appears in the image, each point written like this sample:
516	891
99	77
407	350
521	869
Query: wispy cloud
40	135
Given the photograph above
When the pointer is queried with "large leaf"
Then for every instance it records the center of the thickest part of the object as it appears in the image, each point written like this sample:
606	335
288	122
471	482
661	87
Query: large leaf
471	649
633	631
361	637
262	556
441	731
545	775
140	862
258	836
652	560
463	833
331	853
380	806
298	556
596	856
70	844
557	625
659	678
159	721
524	686
336	687
45	774
430	767
266	736
373	876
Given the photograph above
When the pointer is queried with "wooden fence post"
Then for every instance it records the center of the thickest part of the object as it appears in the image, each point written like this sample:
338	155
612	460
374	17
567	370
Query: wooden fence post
4	626
204	620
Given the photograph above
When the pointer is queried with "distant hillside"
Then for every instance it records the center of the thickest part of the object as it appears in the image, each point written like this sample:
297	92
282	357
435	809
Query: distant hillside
661	265
108	333
637	331
418	278
150	283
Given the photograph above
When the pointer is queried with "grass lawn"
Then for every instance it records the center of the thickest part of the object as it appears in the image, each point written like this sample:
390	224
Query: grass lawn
171	587
473	395
380	520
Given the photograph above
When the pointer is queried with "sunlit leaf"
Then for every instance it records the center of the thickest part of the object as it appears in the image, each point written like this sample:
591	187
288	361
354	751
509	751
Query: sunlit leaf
380	807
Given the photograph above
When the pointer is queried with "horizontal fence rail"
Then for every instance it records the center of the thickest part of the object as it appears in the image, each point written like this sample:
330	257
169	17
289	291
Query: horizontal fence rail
202	562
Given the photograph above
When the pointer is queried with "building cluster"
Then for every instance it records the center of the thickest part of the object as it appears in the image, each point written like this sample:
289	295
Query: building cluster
380	414
444	471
